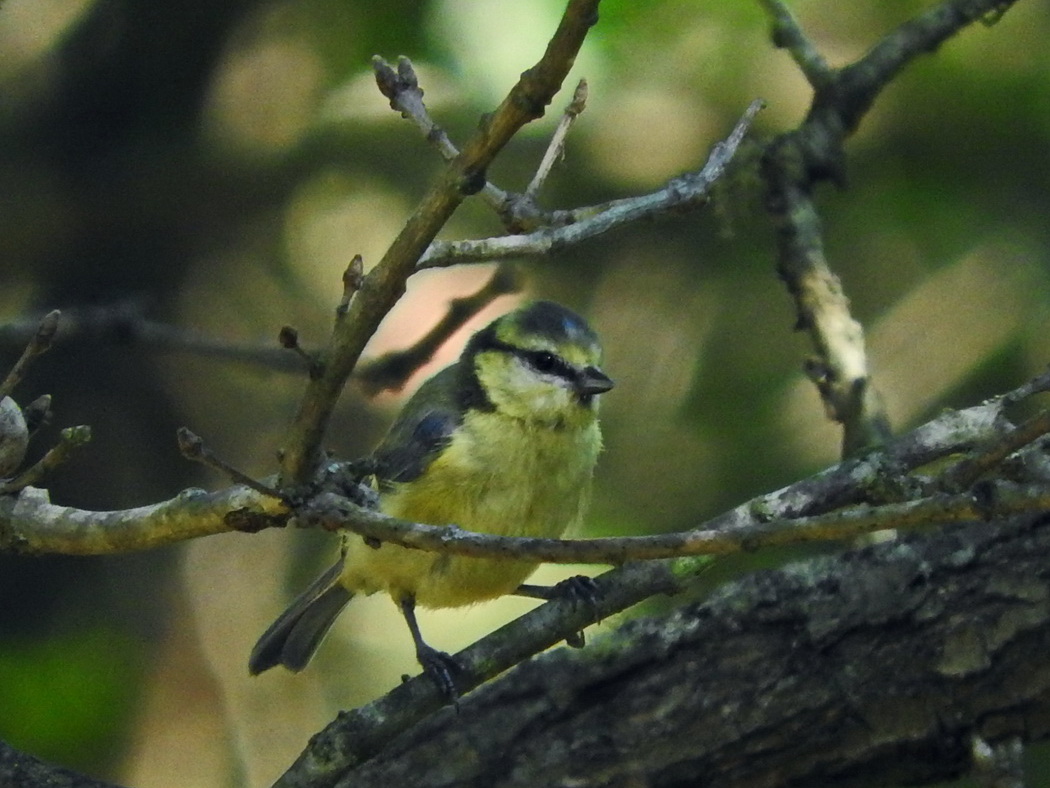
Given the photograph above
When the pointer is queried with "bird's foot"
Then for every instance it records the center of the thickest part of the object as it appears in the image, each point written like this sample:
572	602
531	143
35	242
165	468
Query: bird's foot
442	669
578	590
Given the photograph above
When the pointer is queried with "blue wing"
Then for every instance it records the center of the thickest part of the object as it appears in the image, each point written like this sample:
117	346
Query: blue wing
422	430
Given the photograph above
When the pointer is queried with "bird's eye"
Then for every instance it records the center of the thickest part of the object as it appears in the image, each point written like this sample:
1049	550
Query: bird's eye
544	362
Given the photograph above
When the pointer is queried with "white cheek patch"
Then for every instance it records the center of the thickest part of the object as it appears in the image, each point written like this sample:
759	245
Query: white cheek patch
527	378
521	391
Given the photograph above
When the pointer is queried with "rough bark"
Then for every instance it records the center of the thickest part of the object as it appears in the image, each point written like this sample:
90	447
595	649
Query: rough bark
876	667
18	770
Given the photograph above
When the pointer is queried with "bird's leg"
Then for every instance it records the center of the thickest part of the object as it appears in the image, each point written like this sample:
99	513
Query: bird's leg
439	666
578	589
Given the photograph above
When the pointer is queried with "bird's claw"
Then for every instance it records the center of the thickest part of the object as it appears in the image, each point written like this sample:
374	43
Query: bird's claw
442	669
579	590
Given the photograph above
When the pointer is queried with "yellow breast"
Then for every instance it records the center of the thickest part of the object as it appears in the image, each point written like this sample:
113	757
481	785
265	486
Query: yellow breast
498	475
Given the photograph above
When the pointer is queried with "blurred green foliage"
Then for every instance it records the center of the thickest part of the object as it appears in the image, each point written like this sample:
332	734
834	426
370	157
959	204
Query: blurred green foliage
69	698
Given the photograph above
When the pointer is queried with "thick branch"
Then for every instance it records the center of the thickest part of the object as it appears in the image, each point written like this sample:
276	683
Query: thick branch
797	160
359	734
18	770
876	667
840	369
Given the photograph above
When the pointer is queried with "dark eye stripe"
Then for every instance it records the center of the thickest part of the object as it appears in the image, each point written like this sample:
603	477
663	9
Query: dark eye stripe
546	363
543	361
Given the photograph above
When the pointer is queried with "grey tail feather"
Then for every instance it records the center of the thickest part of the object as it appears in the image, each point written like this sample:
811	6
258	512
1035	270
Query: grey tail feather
294	637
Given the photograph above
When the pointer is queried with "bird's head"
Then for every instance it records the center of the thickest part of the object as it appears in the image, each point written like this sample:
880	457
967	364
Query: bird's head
539	363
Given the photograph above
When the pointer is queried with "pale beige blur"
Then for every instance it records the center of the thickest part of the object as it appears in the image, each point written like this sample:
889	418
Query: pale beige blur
267	89
29	29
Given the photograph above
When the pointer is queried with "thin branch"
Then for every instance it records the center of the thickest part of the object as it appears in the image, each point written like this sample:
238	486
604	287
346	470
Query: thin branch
518	212
795	161
858	85
573	227
71	439
811	509
187	340
406	96
40	343
787	34
385	283
990	456
1037	385
124	324
402	88
121	324
193	448
391	370
853	498
31	525
737	531
556	147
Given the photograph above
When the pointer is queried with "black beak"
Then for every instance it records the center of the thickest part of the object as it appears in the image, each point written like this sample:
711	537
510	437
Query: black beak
592	381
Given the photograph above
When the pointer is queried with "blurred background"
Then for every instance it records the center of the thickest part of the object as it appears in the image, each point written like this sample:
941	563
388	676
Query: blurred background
214	167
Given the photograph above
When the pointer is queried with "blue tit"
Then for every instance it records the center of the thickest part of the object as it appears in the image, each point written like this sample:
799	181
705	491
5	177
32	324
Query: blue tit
504	441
